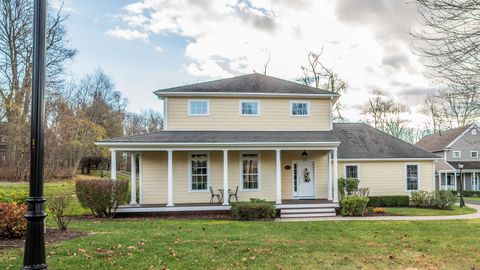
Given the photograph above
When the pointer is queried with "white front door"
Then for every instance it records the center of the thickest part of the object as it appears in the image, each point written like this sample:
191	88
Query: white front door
304	179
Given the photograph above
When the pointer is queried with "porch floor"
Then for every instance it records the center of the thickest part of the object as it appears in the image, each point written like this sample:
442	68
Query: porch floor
139	208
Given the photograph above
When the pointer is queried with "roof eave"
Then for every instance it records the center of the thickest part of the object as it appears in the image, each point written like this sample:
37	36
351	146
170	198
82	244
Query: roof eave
162	94
219	144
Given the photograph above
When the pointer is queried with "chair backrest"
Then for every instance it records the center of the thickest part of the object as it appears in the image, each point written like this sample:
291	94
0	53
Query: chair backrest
236	190
211	189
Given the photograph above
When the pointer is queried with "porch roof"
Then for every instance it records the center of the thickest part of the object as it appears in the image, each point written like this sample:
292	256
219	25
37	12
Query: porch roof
467	165
227	137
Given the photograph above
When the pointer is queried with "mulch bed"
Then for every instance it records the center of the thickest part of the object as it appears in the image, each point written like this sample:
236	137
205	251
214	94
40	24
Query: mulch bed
52	236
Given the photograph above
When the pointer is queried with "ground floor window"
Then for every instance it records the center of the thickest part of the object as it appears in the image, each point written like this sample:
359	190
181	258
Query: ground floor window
412	177
250	171
199	172
476	181
351	171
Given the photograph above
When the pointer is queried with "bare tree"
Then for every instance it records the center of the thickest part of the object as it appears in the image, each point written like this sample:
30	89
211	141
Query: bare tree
449	40
143	122
319	76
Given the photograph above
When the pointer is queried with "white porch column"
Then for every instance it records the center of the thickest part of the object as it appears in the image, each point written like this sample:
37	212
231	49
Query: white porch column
140	178
225	177
335	177
133	180
170	178
113	164
278	169
329	180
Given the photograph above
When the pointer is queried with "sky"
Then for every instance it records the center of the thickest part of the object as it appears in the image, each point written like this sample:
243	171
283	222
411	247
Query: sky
154	44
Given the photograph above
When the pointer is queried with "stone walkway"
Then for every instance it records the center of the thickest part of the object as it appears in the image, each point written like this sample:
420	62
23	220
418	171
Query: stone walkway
340	218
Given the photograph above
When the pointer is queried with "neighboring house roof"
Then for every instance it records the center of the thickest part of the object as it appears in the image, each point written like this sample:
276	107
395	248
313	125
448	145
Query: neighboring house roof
467	165
361	141
440	141
228	137
251	83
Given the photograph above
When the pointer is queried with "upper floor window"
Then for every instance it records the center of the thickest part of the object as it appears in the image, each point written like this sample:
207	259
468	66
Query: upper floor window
198	172
198	108
351	171
249	108
412	177
474	154
299	108
474	131
457	154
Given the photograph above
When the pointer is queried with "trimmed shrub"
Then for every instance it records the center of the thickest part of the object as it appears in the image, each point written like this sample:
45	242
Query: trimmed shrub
388	201
13	224
255	209
18	197
102	197
347	186
353	205
443	199
58	205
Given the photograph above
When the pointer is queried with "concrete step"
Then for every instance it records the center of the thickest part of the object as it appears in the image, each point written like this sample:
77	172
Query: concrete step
308	210
308	205
308	215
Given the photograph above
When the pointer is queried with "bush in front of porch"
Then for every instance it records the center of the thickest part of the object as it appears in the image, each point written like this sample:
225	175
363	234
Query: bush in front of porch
102	197
255	209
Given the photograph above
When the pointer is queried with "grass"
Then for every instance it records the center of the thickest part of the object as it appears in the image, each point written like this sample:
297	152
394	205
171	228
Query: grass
196	244
472	198
414	211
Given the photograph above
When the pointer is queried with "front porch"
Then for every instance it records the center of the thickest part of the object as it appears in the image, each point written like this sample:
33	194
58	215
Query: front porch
180	179
451	180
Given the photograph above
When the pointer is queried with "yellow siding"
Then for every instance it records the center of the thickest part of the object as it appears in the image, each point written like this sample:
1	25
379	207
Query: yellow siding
154	182
225	115
388	177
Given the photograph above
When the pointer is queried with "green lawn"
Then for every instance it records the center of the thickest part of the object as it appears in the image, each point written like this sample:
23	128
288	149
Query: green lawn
413	211
195	244
472	198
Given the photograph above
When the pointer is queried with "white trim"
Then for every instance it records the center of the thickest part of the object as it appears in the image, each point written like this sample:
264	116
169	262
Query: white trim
226	194
127	209
300	101
198	115
295	196
251	148
418	176
473	152
133	178
251	101
331	113
190	171
223	144
384	159
278	176
433	173
140	177
335	175
170	178
113	164
351	164
458	152
246	94
459	136
259	171
165	113
329	177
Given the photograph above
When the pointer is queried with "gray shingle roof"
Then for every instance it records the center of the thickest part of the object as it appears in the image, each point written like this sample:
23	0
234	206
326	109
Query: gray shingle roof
229	137
439	141
467	165
359	140
250	83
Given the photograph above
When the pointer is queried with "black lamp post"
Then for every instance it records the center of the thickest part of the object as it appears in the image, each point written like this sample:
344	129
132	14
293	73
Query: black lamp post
34	255
462	202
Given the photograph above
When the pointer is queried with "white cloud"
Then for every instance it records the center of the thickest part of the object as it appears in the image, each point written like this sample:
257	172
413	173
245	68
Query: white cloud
228	38
158	49
65	5
127	34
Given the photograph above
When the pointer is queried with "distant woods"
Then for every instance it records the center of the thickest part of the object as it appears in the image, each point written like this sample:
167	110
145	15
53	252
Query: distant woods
78	112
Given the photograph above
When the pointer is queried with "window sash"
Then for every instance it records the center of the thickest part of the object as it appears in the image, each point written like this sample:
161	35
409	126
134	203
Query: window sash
249	108
351	171
300	108
199	172
250	172
457	154
198	107
412	177
474	154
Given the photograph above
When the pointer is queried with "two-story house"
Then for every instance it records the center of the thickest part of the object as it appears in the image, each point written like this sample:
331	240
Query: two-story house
263	137
457	148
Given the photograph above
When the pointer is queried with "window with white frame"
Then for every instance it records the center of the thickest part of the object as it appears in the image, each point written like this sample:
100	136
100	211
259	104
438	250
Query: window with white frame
249	108
299	108
457	154
198	107
475	181
474	154
351	171
199	172
412	177
250	171
474	131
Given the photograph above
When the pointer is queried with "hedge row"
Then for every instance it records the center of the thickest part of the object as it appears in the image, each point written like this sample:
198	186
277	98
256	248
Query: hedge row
388	201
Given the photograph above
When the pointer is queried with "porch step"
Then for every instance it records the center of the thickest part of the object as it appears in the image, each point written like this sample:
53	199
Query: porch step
307	210
308	215
309	205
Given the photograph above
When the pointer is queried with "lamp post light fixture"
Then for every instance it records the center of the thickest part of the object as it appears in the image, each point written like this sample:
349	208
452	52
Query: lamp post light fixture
462	202
304	155
34	253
